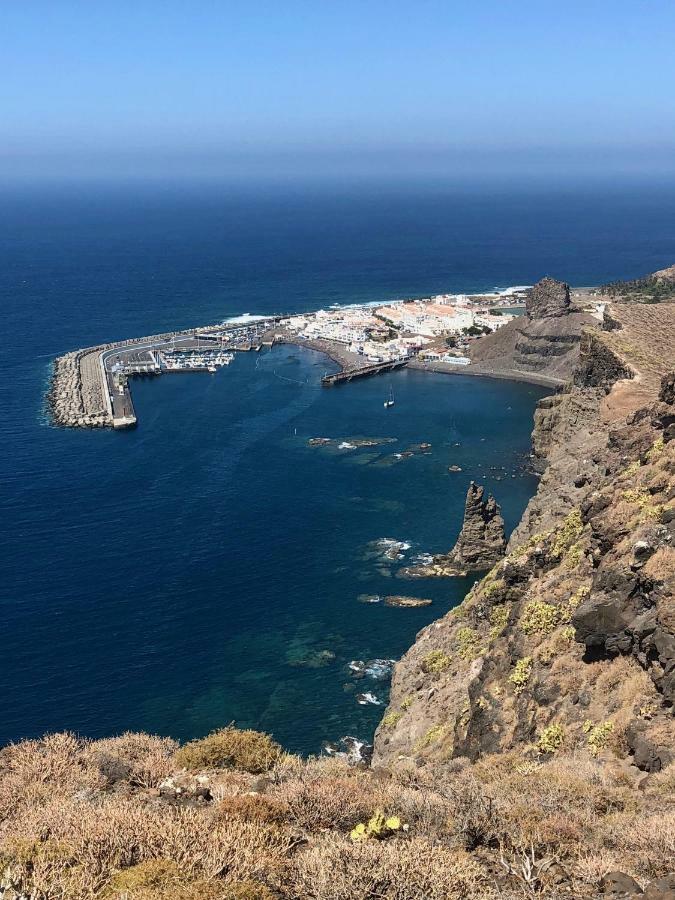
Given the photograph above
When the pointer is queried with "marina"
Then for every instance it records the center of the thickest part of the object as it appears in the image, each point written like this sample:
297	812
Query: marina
90	388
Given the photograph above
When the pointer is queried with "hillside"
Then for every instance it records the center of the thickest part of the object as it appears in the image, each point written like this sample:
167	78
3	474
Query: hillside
657	287
541	346
529	745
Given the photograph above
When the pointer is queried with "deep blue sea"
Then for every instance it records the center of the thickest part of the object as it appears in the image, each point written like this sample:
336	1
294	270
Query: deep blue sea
190	572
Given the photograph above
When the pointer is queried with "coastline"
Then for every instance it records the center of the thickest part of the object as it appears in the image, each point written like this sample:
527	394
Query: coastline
505	375
89	388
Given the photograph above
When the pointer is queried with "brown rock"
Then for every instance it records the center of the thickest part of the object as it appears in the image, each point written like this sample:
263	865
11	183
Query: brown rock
548	298
481	542
406	602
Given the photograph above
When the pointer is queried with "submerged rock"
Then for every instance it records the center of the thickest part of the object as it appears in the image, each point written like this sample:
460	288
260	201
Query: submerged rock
406	602
372	668
369	598
349	748
368	698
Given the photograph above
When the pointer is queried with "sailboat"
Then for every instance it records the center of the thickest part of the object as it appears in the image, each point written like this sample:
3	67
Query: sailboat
390	401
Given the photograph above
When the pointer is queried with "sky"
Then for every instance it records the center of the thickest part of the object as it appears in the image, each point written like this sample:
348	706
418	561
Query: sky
221	87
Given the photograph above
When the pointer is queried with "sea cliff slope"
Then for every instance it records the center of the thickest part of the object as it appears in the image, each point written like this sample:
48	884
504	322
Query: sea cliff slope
569	642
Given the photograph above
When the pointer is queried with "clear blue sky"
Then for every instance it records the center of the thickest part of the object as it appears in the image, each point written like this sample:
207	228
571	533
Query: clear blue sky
218	87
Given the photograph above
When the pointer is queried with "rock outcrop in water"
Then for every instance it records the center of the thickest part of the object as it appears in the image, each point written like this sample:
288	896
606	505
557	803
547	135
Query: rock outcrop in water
481	542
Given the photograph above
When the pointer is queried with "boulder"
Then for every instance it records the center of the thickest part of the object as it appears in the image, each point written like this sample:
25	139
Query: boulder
618	884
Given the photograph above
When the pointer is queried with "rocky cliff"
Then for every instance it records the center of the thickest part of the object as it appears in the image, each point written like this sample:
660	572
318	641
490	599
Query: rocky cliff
542	345
569	642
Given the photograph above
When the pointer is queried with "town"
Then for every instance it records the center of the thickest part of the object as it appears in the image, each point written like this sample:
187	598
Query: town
436	328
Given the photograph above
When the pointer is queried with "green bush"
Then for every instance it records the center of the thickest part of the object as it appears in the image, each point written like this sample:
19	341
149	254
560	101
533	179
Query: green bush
538	617
230	748
551	739
521	674
435	661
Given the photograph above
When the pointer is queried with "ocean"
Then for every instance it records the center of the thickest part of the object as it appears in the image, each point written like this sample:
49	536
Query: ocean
210	566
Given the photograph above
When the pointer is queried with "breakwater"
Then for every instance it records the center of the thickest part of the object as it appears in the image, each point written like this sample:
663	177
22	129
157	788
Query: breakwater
90	387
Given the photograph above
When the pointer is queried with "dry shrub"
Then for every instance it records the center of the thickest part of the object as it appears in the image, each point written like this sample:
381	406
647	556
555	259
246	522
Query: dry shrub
334	869
230	747
649	840
162	879
590	868
554	805
261	809
335	803
55	760
70	849
662	784
32	772
153	873
613	673
142	759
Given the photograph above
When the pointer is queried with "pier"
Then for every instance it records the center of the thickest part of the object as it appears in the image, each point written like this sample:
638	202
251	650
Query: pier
352	372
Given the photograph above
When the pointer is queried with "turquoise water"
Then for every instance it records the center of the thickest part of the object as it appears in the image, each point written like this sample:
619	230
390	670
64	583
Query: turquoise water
196	570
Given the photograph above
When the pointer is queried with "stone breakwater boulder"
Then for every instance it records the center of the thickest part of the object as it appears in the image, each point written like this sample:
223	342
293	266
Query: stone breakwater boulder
548	298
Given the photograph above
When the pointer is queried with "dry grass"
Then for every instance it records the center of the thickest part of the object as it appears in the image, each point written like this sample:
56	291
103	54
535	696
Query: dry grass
86	820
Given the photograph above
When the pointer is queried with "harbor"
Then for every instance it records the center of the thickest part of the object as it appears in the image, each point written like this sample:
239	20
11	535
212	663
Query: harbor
91	387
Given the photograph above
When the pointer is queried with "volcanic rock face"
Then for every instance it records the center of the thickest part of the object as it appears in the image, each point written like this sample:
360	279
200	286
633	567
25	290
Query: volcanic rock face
548	298
481	542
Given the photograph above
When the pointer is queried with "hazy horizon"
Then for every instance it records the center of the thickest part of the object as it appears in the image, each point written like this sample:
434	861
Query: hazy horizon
426	90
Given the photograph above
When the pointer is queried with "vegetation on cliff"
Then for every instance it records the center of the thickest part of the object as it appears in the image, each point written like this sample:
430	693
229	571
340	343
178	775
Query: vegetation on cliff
654	288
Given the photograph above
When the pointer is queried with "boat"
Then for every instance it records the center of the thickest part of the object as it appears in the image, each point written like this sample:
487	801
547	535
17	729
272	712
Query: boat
390	401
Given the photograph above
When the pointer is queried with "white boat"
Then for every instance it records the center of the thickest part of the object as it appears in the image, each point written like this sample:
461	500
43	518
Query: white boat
390	401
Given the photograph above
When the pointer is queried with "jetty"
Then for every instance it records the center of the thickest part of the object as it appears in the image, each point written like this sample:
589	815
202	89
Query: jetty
348	374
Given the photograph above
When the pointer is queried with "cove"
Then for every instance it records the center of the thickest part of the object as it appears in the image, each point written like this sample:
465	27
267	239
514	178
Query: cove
210	566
